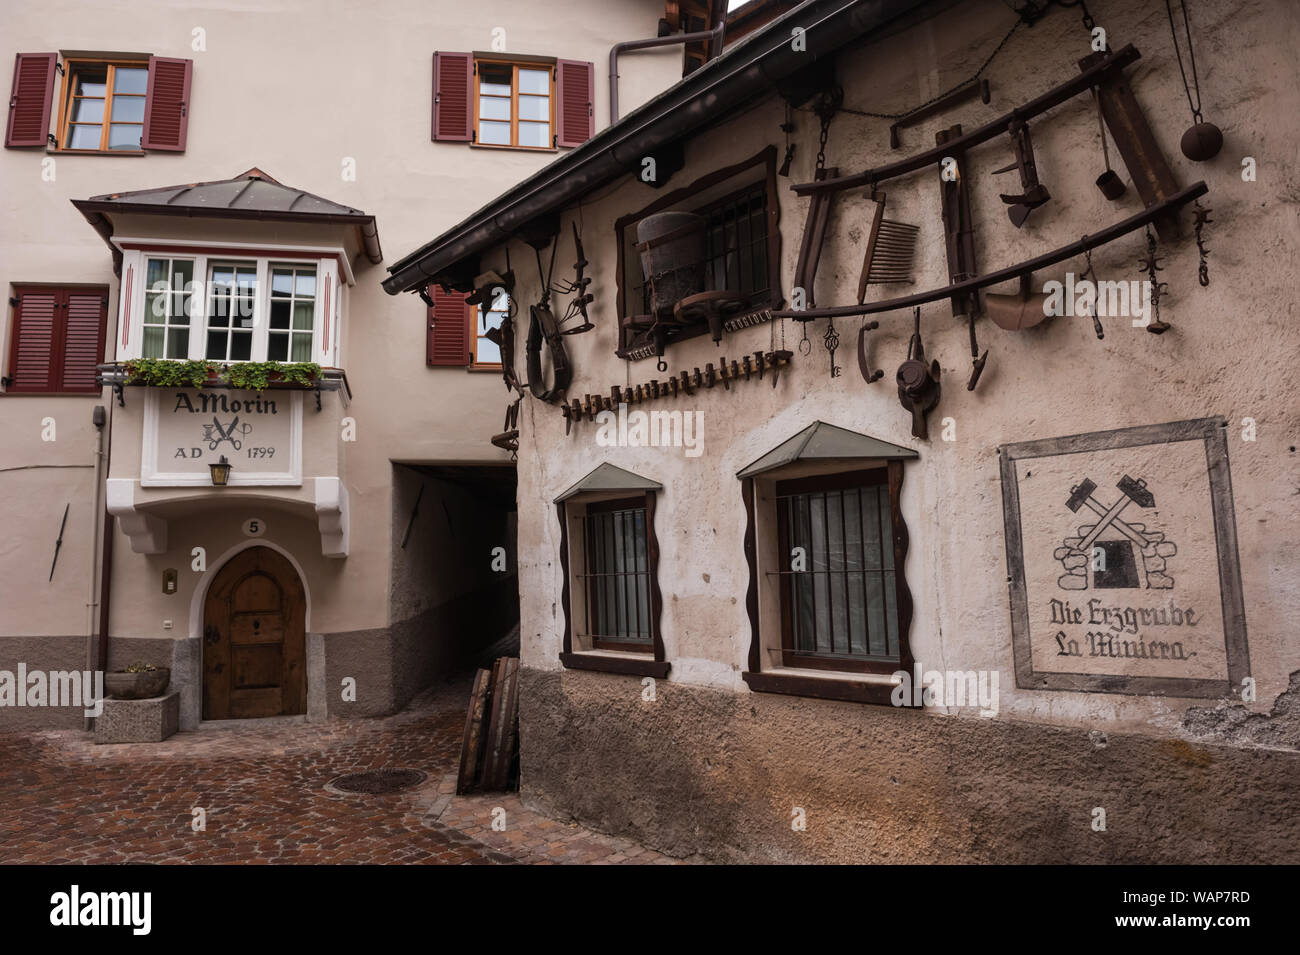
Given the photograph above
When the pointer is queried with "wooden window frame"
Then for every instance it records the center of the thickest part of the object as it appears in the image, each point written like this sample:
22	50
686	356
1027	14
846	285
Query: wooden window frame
288	334
851	686
476	318
680	199
647	661
790	655
515	66
167	326
67	94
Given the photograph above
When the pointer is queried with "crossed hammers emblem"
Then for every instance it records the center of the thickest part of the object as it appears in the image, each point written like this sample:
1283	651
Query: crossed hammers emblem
1133	492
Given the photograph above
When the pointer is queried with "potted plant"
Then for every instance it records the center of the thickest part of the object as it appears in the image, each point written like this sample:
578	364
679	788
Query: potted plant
139	681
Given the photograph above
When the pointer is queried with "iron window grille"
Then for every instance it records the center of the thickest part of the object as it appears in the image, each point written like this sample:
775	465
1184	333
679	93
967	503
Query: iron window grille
839	593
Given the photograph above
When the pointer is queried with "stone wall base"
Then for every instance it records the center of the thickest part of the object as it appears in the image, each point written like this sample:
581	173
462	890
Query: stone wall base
726	774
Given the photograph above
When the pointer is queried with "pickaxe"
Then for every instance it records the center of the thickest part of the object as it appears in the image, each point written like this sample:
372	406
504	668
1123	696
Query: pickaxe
1133	492
1035	193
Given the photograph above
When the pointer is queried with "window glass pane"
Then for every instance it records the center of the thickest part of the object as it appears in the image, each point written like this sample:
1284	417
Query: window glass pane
223	275
178	343
156	273
494	80
130	80
241	346
84	137
535	107
493	107
128	109
534	134
246	277
487	352
301	348
534	81
279	313
277	347
153	343
124	137
155	308
182	273
180	314
302	315
91	83
216	345
494	134
304	283
282	281
88	111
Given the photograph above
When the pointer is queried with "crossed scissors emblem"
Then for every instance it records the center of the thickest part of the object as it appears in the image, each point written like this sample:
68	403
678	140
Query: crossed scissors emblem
224	434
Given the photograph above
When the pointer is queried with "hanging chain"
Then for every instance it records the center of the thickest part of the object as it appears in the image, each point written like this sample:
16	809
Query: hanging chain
1202	220
805	346
1191	56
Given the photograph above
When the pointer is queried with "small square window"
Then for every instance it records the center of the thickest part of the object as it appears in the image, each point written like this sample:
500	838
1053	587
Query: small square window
514	104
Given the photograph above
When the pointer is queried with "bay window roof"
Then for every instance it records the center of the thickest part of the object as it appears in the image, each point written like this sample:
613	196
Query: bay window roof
250	195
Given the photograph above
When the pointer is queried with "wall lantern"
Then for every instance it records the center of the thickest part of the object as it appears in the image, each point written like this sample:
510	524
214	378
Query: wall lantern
220	472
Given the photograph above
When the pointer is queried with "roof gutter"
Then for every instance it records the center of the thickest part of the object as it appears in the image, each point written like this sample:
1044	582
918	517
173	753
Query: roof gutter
94	211
714	91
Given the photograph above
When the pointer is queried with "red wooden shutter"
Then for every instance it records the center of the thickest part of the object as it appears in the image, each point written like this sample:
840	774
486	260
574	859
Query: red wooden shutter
167	105
58	339
576	91
30	99
86	316
448	338
36	327
453	96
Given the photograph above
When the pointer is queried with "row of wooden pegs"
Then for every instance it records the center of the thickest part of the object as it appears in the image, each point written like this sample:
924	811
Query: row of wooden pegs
760	364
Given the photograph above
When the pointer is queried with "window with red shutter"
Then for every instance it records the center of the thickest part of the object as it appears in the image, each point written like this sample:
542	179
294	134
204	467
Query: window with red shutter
167	105
30	98
58	339
448	333
453	80
576	91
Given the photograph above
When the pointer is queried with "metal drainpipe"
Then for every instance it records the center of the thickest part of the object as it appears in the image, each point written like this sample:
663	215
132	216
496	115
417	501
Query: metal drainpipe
95	655
714	36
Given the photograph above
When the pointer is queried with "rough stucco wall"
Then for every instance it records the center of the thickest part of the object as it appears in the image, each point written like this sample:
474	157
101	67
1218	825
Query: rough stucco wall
1229	354
376	111
720	774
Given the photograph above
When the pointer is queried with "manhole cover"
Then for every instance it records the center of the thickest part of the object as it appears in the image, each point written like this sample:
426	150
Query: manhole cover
376	782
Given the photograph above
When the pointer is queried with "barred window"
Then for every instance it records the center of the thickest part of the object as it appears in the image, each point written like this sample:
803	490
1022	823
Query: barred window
616	575
838	588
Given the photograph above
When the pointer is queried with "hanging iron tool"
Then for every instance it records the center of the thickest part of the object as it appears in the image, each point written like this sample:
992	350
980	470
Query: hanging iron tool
832	342
1035	193
1109	182
1151	265
542	327
918	383
959	236
1202	219
1089	275
577	306
1203	140
864	365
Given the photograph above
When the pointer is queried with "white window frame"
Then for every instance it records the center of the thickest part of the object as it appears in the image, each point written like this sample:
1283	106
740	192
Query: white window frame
132	303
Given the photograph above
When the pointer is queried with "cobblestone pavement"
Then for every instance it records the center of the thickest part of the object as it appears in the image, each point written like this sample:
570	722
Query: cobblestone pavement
65	800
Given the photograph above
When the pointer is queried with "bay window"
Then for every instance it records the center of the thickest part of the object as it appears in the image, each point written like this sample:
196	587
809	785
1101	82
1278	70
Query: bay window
230	307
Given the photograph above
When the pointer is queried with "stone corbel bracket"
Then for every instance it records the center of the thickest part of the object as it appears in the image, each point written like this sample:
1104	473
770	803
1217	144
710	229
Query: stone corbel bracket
332	516
148	532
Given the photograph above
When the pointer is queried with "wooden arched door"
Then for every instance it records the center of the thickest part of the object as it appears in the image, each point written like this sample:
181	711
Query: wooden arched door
254	639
